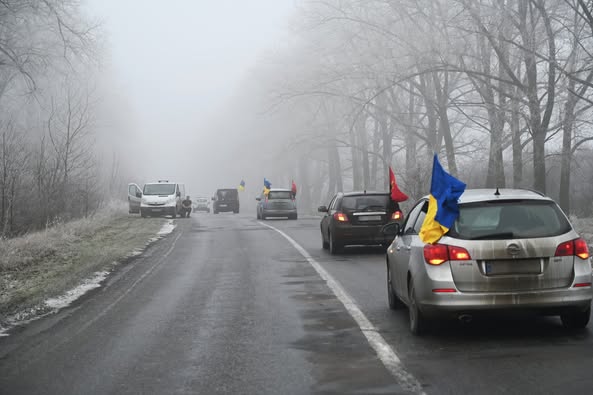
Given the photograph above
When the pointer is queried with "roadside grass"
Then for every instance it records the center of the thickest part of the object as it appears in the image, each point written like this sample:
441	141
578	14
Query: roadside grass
48	263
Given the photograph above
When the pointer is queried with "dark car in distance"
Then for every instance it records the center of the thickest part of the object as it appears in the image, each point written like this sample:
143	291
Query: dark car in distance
226	200
356	218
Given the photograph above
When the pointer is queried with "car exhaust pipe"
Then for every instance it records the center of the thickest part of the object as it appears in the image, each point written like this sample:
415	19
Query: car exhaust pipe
465	318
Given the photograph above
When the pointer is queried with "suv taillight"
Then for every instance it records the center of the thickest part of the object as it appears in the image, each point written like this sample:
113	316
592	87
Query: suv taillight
436	254
397	215
340	217
577	247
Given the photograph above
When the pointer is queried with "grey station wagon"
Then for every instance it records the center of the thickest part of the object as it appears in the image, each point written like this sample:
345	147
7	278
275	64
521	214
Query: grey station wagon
508	251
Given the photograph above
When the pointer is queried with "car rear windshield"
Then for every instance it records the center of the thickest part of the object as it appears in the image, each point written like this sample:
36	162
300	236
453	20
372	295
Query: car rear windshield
279	195
366	202
226	194
159	189
509	220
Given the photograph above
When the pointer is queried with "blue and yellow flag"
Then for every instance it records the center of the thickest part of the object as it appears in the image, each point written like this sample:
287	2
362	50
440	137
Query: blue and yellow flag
267	186
242	185
443	209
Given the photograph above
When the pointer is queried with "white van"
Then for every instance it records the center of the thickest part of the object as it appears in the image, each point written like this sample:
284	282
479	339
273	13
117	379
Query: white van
161	198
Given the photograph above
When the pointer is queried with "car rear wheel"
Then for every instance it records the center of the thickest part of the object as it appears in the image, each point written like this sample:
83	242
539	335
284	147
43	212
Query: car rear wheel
334	247
394	302
263	216
417	320
293	216
324	244
576	320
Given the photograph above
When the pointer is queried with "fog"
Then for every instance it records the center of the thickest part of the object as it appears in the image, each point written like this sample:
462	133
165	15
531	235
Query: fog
328	93
174	66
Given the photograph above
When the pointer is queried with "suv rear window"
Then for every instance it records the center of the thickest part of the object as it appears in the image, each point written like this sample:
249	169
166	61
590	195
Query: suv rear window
279	195
226	194
366	202
159	189
509	219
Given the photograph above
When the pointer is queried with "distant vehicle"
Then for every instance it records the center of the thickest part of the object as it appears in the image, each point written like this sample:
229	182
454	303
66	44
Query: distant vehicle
226	200
515	251
277	203
160	198
357	218
134	198
201	204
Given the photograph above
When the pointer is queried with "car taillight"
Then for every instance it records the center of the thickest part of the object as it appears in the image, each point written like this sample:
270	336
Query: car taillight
458	254
340	217
581	249
577	247
396	215
436	254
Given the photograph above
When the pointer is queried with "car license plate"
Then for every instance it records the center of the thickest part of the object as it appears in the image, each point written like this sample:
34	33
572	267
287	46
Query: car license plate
157	210
223	205
369	218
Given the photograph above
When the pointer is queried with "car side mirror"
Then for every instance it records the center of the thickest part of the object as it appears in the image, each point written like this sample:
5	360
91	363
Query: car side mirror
322	209
138	194
391	229
213	198
258	199
178	194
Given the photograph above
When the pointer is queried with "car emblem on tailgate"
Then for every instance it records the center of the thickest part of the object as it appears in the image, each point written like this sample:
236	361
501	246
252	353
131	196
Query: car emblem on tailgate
513	249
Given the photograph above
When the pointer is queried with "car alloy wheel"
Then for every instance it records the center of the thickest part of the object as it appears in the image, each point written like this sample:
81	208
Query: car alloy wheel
324	244
417	319
334	248
394	302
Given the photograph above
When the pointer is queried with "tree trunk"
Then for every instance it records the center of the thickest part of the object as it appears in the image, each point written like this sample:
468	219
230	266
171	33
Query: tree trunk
567	127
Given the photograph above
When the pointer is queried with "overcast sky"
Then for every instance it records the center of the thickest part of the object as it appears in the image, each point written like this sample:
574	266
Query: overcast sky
175	62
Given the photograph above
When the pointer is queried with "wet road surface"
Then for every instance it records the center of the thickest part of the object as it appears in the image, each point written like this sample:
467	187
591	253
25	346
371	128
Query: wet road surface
227	305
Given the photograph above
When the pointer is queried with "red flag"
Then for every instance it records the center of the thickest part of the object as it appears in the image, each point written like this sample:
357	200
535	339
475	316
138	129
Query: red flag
396	194
294	188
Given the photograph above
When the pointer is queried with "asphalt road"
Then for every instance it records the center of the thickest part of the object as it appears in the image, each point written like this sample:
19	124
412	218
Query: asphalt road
228	305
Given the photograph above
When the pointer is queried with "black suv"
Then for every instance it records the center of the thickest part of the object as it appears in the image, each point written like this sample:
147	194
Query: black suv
356	218
226	200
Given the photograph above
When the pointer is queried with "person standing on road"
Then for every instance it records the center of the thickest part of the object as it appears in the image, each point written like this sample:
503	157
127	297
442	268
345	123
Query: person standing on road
186	207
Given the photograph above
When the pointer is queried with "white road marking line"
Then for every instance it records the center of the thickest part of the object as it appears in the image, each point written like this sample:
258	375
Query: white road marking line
384	351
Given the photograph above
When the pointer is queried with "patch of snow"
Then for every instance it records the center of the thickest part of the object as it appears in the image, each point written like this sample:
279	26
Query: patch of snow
167	228
52	305
75	293
22	318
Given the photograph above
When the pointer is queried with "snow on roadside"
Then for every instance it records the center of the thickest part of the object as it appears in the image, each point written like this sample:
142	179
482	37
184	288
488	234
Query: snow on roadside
167	228
75	293
53	305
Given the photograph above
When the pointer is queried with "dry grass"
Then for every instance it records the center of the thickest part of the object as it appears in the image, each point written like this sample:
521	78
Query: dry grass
46	264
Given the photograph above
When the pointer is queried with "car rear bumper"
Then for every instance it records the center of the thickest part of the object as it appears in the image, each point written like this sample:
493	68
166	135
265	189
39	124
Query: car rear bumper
279	213
554	301
360	235
226	207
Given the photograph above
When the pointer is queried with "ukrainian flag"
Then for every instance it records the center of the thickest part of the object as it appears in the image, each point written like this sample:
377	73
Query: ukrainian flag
242	185
443	209
267	186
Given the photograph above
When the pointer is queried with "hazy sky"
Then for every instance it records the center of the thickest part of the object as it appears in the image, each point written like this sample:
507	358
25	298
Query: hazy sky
175	62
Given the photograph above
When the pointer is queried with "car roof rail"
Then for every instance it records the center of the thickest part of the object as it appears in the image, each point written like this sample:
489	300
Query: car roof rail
536	191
